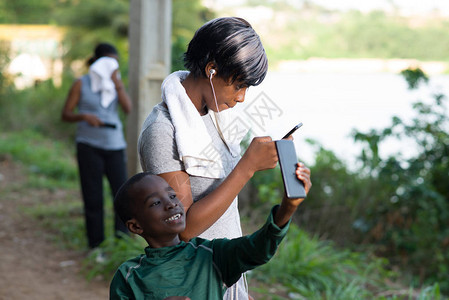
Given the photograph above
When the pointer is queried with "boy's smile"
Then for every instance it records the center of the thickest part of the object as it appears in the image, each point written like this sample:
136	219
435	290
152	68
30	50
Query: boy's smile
159	215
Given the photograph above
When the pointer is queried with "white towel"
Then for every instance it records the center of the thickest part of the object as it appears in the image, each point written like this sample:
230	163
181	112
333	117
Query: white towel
194	143
100	77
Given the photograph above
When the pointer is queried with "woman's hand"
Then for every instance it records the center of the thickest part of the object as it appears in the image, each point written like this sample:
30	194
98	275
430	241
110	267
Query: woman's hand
123	98
117	81
260	155
92	120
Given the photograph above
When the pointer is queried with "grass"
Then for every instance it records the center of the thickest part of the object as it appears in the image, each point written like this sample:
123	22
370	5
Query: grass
51	164
305	267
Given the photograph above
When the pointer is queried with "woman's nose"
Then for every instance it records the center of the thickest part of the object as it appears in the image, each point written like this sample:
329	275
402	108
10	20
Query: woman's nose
241	96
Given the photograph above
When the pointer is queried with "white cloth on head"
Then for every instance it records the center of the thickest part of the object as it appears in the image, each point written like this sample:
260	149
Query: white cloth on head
194	143
100	77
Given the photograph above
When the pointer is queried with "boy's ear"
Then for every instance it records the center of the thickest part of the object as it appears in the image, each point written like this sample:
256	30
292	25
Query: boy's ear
134	226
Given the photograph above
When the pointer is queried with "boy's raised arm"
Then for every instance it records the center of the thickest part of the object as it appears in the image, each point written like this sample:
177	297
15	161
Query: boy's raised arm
288	206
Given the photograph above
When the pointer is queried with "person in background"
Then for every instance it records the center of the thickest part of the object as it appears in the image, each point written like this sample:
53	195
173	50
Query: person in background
185	138
93	103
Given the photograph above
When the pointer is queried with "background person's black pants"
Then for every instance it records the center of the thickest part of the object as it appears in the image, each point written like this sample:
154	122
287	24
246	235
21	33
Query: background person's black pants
93	163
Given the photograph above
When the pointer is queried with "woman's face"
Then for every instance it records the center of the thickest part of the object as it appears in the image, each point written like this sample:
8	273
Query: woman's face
228	94
113	56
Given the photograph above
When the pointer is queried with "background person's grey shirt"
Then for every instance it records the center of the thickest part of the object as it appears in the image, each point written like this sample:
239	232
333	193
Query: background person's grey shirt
100	137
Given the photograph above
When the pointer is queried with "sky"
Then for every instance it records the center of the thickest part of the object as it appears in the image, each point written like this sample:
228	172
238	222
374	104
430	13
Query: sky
406	7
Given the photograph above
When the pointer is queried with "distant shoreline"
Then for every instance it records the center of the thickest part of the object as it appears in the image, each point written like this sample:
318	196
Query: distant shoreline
368	65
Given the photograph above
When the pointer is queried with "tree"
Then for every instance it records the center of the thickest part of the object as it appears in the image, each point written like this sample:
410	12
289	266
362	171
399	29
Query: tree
26	11
408	215
89	22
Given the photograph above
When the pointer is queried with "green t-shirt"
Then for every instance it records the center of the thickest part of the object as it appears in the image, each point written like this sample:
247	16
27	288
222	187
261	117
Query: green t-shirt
199	269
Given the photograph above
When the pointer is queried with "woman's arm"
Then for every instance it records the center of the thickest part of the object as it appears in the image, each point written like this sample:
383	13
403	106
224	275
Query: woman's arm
260	155
123	98
68	112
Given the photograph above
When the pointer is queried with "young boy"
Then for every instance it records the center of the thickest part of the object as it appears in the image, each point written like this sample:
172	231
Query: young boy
199	269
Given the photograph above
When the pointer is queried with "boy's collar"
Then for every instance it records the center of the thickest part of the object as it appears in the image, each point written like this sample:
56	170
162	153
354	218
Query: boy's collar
163	252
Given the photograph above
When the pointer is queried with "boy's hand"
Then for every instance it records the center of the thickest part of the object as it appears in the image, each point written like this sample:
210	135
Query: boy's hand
303	174
288	206
177	298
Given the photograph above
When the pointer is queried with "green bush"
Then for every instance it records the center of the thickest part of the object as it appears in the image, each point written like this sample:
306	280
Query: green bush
408	214
308	268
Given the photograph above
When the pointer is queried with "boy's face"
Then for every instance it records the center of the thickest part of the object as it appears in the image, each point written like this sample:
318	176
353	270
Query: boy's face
159	215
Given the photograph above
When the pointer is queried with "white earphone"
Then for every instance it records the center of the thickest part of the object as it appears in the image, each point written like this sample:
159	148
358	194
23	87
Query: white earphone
212	72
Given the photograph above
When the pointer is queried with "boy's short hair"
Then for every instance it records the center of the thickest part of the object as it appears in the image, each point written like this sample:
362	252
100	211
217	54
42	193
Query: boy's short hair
233	45
123	200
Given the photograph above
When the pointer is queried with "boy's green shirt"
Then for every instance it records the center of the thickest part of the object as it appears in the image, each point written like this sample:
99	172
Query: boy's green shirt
199	269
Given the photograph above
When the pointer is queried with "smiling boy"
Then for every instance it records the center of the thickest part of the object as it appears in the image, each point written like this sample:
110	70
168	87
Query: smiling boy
199	269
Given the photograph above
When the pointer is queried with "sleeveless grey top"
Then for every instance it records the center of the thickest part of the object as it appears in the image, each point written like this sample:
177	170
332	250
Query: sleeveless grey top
100	137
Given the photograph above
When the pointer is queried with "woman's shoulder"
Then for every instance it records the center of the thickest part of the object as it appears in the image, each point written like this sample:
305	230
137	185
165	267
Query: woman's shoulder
158	116
84	77
158	122
161	110
76	84
80	80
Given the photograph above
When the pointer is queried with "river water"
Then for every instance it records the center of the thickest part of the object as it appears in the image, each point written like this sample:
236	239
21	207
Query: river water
331	105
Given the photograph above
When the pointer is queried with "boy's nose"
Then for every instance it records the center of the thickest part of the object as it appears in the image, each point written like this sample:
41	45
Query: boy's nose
171	203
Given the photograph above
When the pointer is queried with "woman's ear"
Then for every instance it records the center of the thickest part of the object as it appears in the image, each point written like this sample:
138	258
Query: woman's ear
211	69
134	226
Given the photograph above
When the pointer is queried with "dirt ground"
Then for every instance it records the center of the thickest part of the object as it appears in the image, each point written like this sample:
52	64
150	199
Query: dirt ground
31	266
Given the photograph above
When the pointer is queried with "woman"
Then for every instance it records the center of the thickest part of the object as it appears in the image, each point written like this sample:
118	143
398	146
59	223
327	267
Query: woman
93	103
184	139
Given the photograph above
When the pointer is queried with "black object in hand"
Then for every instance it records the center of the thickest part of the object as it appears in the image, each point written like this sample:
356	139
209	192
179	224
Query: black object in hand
109	125
292	131
294	188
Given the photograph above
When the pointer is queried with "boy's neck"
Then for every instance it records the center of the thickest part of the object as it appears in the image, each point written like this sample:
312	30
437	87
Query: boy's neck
160	243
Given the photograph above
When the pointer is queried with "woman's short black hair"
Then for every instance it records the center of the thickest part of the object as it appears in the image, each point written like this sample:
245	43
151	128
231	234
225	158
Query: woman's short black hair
124	199
233	46
102	49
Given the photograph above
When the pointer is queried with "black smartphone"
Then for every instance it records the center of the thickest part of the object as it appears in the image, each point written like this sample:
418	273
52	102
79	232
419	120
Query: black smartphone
294	188
292	131
109	125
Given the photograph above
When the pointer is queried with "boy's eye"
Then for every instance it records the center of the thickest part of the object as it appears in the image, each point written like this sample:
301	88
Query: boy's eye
155	203
173	196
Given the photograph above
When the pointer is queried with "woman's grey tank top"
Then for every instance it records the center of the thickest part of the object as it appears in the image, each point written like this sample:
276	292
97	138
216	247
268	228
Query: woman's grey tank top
106	138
